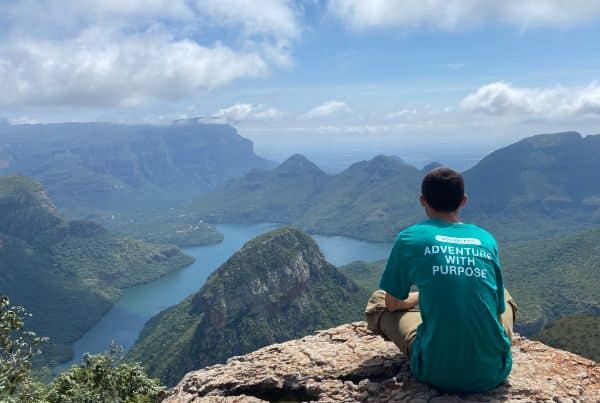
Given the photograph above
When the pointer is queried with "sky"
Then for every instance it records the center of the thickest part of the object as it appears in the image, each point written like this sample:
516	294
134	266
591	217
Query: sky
424	79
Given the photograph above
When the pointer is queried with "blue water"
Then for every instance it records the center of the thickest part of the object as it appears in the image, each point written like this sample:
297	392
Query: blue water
126	319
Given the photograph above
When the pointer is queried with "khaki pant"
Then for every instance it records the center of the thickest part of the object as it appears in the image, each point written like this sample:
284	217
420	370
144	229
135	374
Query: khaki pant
400	327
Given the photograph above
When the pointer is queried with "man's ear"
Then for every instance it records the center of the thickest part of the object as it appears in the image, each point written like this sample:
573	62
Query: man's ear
422	201
464	200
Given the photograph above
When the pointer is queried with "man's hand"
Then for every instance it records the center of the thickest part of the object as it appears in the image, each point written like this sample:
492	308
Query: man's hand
393	304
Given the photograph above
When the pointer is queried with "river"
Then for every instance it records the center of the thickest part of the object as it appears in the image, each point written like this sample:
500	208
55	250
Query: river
126	319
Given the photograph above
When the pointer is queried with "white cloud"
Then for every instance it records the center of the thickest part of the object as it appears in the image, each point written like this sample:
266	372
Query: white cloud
326	109
500	98
241	112
586	101
66	17
275	17
235	113
119	53
107	68
453	14
268	114
401	114
269	27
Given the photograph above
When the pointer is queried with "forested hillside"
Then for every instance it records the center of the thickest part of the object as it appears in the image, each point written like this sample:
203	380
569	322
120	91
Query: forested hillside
579	334
535	188
67	273
98	167
369	200
277	287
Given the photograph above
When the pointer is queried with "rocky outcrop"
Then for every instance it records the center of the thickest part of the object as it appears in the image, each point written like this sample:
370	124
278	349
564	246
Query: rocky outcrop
348	364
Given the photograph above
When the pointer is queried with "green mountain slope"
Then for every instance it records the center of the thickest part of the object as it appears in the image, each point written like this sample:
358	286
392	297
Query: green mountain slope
578	334
279	195
365	274
369	200
548	278
162	227
67	274
372	198
552	278
97	167
538	186
277	287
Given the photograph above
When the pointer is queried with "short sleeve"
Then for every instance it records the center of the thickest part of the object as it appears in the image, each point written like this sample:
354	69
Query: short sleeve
395	279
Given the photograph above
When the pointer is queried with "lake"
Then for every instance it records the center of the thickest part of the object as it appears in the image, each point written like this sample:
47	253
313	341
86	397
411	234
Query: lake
126	319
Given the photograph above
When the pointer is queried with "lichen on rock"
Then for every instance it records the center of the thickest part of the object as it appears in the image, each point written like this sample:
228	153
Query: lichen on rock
350	364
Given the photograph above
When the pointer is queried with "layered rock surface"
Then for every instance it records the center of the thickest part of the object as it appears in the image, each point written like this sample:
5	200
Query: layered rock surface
348	363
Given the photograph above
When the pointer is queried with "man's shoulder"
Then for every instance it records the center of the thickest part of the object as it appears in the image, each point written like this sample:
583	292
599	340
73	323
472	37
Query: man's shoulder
414	233
412	229
428	228
484	235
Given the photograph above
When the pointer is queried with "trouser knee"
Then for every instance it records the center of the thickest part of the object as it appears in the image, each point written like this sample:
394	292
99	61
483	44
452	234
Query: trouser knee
400	327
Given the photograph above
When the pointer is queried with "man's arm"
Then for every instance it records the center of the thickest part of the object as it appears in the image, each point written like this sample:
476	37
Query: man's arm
394	304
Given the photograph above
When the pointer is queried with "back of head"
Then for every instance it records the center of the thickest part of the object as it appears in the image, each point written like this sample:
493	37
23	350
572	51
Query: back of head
443	189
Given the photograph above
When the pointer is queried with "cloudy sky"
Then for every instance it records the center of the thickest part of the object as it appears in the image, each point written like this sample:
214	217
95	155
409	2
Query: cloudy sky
402	76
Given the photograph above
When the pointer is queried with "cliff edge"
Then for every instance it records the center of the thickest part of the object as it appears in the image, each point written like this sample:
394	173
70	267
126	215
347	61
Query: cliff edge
348	363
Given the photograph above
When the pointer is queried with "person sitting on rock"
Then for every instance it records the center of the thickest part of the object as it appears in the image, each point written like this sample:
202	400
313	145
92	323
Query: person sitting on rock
456	330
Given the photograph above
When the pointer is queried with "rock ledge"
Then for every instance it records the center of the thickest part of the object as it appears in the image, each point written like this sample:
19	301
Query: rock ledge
350	364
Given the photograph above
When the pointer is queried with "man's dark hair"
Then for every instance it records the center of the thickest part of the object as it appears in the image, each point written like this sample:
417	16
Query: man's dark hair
443	189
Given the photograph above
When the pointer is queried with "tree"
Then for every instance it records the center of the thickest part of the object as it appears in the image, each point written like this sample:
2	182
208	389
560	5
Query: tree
17	348
100	378
104	378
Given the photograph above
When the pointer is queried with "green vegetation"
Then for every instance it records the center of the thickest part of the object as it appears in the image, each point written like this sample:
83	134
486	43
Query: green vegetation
172	228
99	168
370	200
100	378
17	348
530	189
48	264
277	287
104	378
578	334
553	278
365	274
538	186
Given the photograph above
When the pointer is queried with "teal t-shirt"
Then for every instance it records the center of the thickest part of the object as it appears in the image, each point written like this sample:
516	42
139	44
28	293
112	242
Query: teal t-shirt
461	345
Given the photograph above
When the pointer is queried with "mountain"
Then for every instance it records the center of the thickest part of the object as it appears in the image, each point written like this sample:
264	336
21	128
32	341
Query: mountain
276	287
366	199
280	195
365	274
552	278
431	166
99	167
548	278
531	189
67	273
349	364
576	333
537	186
370	200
